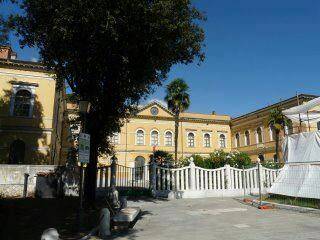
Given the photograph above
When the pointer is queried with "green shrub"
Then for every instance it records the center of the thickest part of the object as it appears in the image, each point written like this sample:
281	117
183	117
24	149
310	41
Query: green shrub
163	158
271	164
240	160
218	159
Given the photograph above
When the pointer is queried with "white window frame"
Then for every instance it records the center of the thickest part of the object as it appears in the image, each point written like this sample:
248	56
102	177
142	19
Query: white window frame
15	89
210	140
154	130
144	137
172	138
245	138
257	138
225	141
235	140
194	140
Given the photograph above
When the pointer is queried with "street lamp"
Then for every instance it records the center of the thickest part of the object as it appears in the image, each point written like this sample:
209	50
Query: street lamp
84	108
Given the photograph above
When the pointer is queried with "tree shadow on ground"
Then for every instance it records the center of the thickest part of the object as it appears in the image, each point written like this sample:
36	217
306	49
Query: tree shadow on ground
28	218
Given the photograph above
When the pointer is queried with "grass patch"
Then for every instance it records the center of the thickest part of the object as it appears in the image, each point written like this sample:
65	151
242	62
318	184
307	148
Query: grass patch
301	202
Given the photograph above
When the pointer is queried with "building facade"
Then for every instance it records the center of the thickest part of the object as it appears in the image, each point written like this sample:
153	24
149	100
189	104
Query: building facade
152	128
251	134
31	112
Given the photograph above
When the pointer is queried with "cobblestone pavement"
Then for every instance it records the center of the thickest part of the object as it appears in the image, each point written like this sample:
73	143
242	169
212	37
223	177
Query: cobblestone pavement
216	218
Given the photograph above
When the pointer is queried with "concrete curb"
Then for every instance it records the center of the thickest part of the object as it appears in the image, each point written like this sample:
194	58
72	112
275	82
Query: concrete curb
255	203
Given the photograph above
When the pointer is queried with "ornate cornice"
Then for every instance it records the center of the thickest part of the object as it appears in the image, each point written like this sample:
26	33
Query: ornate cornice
24	65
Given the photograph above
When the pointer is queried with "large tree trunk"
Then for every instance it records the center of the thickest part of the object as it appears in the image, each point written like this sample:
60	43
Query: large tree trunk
176	135
277	146
91	175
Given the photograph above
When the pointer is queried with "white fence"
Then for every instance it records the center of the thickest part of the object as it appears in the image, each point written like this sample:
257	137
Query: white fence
190	181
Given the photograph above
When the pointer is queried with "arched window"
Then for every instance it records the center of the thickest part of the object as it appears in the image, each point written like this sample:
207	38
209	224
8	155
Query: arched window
206	140
237	138
190	139
154	138
247	138
140	137
139	167
168	138
222	141
17	152
259	135
272	133
22	103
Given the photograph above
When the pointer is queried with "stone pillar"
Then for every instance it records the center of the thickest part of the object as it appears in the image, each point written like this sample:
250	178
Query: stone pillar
228	176
153	176
113	171
192	175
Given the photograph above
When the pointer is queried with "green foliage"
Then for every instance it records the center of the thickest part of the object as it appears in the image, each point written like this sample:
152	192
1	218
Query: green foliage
277	120
163	158
4	29
111	53
272	164
218	159
178	99
177	96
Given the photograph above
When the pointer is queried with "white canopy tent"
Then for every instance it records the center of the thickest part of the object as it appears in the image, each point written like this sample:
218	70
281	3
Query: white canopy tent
300	177
304	112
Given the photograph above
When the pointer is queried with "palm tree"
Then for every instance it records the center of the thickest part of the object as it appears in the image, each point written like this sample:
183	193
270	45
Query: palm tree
178	100
277	122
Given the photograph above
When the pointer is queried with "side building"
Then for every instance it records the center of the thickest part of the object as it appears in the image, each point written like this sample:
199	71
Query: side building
152	128
31	112
251	134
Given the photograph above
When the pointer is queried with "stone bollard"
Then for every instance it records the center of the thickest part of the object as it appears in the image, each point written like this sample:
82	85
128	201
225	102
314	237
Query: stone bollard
153	177
104	225
113	171
50	234
123	202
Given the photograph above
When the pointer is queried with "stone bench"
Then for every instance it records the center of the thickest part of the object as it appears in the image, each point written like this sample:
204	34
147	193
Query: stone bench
126	218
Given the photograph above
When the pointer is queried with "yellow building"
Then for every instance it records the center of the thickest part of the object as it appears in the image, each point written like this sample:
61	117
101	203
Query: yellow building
31	112
251	134
153	128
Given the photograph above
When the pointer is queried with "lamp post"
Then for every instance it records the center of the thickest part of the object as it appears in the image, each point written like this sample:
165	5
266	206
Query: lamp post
84	107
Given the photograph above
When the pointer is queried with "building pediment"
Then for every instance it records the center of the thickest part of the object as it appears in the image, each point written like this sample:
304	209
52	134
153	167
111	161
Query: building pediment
155	109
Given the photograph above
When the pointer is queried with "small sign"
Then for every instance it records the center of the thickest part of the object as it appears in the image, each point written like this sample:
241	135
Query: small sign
84	147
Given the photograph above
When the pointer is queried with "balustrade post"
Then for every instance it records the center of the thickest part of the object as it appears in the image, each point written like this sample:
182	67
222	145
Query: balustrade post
153	176
228	176
192	175
260	180
113	172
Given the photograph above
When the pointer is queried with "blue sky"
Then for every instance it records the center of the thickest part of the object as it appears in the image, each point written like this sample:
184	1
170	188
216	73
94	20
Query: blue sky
257	52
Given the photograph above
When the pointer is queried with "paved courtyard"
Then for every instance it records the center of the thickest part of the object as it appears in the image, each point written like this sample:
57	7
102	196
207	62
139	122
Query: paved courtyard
216	218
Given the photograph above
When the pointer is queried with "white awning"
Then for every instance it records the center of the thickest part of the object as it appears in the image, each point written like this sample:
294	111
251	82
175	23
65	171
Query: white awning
305	111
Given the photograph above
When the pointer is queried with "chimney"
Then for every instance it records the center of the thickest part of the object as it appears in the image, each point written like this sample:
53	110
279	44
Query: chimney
7	53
